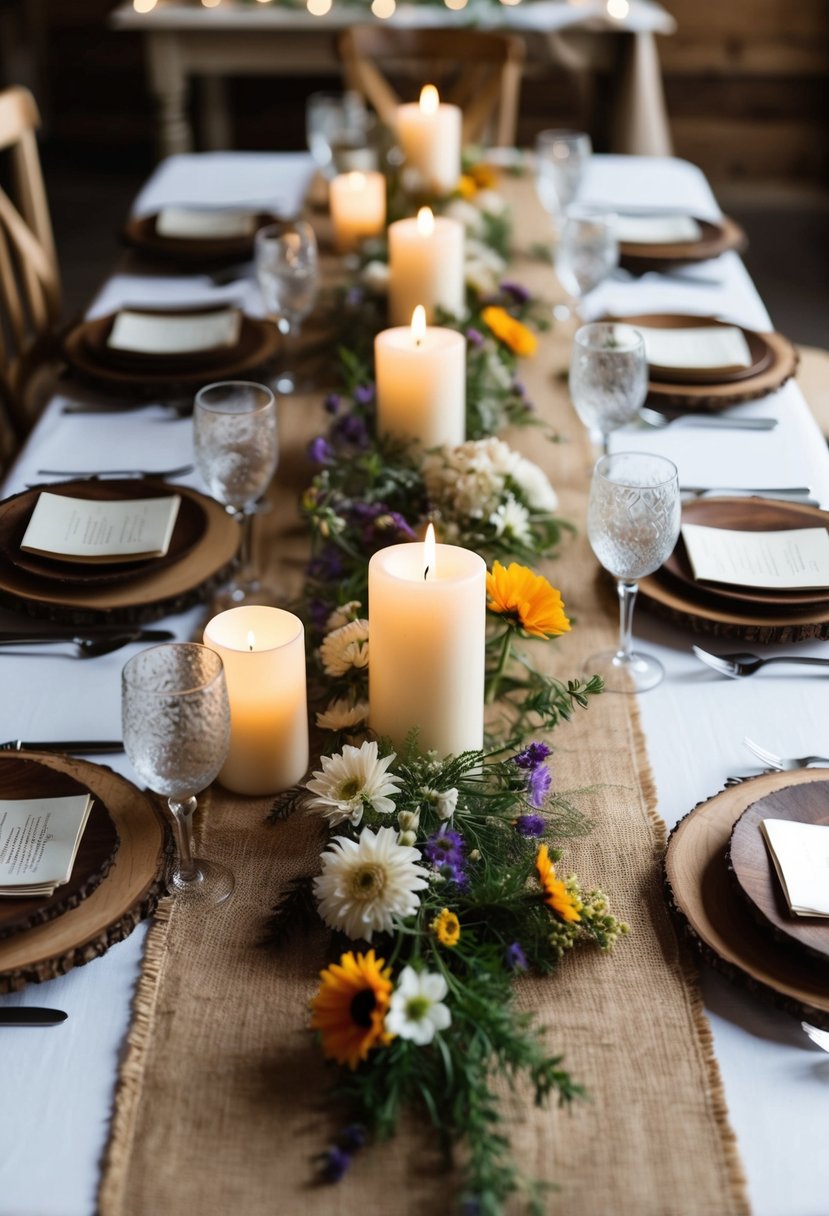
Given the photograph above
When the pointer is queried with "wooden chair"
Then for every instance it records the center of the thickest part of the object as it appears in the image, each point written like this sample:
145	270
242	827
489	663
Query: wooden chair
478	70
30	296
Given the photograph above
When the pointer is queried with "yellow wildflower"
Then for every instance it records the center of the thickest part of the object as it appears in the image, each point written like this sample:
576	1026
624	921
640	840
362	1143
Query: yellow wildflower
555	894
446	928
527	599
512	332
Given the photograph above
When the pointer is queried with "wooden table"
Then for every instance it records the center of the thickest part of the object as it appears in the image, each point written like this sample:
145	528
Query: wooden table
183	41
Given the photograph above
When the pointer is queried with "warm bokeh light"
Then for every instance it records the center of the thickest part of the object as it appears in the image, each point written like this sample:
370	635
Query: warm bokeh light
383	8
356	181
318	8
144	6
618	8
510	3
456	5
211	3
418	325
429	99
425	221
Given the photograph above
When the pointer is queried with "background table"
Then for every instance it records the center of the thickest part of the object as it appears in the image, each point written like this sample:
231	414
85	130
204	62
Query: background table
58	1084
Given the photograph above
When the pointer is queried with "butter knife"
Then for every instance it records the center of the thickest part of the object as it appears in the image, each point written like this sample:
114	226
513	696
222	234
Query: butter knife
31	1015
85	747
13	637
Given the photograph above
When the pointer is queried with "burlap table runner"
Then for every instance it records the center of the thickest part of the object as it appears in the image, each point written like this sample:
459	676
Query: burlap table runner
222	1097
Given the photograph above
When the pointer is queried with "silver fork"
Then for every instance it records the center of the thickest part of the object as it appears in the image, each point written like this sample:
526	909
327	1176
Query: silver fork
784	764
738	665
180	471
709	421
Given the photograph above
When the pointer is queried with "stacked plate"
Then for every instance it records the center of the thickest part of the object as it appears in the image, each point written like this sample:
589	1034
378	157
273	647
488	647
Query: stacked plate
190	237
654	241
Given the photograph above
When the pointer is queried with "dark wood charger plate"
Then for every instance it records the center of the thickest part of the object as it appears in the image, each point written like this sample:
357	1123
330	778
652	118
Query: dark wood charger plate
85	350
715	239
716	919
141	233
142	597
96	851
126	894
15	513
755	878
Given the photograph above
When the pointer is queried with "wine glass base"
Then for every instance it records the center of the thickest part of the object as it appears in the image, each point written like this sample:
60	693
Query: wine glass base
212	887
237	594
631	673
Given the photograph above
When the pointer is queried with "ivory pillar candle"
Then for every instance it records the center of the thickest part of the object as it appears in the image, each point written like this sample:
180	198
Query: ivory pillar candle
429	132
358	208
425	266
421	383
427	646
263	651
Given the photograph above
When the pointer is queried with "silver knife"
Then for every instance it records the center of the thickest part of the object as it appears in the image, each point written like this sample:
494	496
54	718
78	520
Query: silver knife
85	747
32	1015
13	637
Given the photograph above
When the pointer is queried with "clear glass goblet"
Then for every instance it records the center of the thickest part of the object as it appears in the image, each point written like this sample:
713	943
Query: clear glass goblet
633	524
608	377
176	722
236	447
560	160
287	267
337	127
586	253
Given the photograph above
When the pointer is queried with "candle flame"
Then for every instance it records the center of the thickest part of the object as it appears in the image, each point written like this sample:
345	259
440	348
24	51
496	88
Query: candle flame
251	639
429	553
425	221
429	99
419	326
356	181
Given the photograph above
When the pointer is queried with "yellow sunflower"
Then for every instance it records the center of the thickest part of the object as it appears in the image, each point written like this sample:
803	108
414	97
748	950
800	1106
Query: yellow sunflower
446	928
555	893
527	599
350	1007
510	331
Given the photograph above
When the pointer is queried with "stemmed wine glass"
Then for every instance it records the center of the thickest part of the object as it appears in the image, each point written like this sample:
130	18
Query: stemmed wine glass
586	253
176	723
287	267
633	524
560	160
236	447
608	376
337	128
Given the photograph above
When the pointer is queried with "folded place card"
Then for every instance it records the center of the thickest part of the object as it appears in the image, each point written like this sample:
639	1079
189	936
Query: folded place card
705	346
83	530
793	560
800	852
657	229
175	333
39	839
204	223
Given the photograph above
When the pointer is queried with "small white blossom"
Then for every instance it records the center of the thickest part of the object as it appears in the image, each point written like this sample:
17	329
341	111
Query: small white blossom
462	211
491	202
416	1010
407	838
446	802
345	648
343	715
375	277
352	780
479	277
512	520
534	486
477	251
343	615
408	821
366	884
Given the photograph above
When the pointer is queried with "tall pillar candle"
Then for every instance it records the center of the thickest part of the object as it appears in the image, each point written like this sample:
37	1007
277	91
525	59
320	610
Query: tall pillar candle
427	640
358	208
263	651
425	266
421	383
429	132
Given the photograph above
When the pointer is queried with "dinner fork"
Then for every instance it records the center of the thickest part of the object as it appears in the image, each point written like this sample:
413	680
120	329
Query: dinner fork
180	471
81	647
714	422
738	665
784	764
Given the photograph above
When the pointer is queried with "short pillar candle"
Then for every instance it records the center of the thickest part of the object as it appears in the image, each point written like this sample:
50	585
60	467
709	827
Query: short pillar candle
430	133
427	641
358	208
263	651
425	266
421	383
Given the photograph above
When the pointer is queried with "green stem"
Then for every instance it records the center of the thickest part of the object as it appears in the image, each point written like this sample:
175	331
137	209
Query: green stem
500	669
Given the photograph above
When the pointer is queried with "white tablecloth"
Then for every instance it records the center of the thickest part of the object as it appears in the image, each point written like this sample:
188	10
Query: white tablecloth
58	1084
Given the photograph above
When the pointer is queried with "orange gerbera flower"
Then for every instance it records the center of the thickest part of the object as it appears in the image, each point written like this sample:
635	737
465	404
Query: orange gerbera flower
527	599
555	893
484	176
510	331
350	1007
467	187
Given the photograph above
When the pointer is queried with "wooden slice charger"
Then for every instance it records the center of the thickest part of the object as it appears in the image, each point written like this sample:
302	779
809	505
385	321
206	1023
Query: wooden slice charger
715	917
141	233
715	239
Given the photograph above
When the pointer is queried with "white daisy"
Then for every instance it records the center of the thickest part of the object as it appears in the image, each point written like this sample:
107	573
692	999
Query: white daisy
351	781
366	884
479	277
512	520
343	715
462	211
345	648
415	1011
343	615
534	486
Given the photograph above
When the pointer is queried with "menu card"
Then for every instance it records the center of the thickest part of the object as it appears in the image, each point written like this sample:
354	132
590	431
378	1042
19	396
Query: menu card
800	852
657	229
83	530
793	560
176	333
704	346
204	223
39	839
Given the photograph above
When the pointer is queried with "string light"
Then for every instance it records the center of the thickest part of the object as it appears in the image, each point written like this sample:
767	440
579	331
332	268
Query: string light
383	8
144	6
456	5
318	8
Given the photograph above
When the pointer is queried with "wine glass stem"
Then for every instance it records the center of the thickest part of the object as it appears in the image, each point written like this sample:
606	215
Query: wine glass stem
246	567
627	598
182	813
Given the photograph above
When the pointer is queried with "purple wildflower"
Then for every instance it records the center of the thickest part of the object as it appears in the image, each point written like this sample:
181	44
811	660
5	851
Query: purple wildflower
394	520
320	451
531	825
354	297
353	1137
318	612
532	756
474	337
364	394
446	852
519	389
327	565
515	958
518	291
539	781
332	403
351	429
334	1163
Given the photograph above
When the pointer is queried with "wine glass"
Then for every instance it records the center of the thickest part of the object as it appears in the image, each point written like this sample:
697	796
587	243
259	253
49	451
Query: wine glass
176	721
560	160
633	524
608	376
287	267
337	128
236	447
586	253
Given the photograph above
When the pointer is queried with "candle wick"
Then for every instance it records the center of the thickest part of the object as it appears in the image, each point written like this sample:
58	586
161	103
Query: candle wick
250	647
425	574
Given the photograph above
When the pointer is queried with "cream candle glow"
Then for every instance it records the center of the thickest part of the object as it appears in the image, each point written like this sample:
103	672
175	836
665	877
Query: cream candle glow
427	614
358	208
421	383
429	132
425	266
263	651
